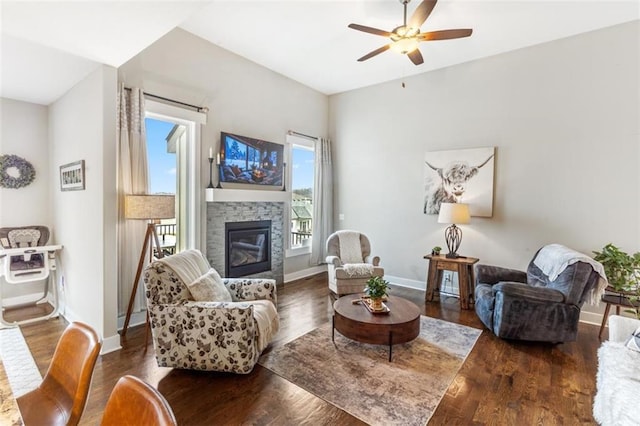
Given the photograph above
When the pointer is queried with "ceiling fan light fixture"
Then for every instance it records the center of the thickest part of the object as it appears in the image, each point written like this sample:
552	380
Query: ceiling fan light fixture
406	38
405	45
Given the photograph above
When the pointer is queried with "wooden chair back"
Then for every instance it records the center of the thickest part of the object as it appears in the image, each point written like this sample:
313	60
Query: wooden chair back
134	402
61	397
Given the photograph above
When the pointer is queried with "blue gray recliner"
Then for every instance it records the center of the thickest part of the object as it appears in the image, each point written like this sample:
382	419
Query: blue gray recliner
528	305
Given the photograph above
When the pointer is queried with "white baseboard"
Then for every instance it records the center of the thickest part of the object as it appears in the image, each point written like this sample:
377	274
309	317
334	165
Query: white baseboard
110	344
305	273
591	318
405	282
137	318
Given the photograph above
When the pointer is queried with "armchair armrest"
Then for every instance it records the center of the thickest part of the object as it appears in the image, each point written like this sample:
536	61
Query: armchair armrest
374	260
488	274
219	336
333	260
252	289
182	314
524	291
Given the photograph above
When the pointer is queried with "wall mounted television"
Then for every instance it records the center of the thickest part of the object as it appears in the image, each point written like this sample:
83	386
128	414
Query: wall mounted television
250	161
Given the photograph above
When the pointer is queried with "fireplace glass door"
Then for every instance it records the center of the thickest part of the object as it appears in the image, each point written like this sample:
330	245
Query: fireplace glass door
248	248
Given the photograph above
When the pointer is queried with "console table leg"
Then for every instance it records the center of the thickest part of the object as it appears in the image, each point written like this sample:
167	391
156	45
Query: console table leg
390	344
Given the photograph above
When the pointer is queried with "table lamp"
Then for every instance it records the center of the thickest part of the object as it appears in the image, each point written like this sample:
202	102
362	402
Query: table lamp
149	208
453	213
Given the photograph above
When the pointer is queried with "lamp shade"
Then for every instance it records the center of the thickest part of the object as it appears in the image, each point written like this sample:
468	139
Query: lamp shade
150	206
457	213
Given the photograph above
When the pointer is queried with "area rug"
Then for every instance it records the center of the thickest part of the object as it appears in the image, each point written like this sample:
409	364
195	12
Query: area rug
21	369
358	378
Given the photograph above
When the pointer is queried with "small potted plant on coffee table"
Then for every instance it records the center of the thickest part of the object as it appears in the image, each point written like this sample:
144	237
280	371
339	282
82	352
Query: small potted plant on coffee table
436	250
376	289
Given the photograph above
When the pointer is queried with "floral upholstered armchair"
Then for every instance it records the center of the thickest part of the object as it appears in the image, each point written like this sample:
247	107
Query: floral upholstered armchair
203	322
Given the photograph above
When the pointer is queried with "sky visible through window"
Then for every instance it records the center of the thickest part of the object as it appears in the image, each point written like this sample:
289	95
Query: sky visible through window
303	160
162	165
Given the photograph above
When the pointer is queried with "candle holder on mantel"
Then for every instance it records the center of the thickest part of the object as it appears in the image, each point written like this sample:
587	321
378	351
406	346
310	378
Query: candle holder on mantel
284	175
218	167
210	173
209	190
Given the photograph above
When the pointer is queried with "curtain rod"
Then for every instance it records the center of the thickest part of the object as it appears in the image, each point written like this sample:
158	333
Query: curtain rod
197	108
292	133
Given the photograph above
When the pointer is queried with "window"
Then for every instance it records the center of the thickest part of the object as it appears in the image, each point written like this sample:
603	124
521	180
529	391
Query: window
302	160
161	154
181	147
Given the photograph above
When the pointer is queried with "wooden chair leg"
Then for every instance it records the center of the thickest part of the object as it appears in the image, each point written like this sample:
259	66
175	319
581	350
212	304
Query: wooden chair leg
605	317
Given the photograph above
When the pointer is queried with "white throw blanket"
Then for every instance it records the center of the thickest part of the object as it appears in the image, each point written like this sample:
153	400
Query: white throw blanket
553	259
358	269
188	265
350	248
266	316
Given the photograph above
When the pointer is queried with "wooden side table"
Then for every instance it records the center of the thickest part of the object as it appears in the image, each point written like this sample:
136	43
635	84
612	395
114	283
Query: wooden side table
466	277
613	297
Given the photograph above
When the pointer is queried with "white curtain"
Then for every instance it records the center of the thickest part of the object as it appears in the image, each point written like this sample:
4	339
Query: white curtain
133	178
322	201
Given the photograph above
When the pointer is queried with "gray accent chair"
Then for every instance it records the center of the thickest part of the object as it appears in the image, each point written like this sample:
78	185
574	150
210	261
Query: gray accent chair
528	306
340	282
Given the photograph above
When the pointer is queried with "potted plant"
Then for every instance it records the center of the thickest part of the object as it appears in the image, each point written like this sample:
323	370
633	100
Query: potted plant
376	289
436	251
623	273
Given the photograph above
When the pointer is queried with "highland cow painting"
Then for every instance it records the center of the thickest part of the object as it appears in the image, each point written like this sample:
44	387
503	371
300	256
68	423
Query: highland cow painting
459	176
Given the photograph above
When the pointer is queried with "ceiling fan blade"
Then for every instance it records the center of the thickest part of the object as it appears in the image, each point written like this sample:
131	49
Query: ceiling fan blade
421	13
370	30
375	52
416	57
445	34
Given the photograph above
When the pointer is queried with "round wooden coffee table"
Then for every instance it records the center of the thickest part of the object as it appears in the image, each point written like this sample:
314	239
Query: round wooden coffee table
400	325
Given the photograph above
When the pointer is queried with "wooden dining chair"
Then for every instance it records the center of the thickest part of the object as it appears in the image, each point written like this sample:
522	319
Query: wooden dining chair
61	397
134	402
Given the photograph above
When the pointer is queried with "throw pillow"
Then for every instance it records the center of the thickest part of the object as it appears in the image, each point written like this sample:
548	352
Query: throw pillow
209	288
634	341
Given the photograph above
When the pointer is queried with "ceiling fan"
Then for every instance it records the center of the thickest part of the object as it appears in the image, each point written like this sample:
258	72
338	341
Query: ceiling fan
406	38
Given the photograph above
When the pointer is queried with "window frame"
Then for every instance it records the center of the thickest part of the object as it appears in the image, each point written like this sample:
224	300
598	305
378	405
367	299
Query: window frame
189	166
293	141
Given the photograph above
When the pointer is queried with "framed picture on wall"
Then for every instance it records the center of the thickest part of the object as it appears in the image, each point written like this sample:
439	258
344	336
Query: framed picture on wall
72	176
459	176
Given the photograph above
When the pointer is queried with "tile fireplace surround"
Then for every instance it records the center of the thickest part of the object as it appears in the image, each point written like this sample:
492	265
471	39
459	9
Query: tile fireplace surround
218	213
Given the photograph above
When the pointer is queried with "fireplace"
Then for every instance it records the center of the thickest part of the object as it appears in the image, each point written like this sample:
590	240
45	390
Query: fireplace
248	248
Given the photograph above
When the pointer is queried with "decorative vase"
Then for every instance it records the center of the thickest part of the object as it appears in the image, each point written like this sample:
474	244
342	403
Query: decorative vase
376	303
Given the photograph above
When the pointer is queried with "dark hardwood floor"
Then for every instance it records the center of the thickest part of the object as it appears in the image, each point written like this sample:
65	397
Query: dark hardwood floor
500	383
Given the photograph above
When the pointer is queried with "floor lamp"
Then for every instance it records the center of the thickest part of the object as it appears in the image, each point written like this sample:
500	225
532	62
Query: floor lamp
149	208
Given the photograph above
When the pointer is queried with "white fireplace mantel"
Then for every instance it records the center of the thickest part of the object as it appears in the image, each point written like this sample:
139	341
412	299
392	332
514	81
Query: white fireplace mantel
230	195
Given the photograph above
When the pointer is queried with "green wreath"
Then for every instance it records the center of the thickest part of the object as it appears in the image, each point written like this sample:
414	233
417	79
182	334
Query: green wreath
26	172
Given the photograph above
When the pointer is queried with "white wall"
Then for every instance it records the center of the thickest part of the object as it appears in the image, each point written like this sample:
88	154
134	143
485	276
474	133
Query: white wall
23	132
82	127
564	117
242	96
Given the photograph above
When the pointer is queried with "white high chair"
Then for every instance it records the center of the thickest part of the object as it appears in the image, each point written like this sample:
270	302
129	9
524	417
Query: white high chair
25	258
